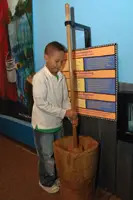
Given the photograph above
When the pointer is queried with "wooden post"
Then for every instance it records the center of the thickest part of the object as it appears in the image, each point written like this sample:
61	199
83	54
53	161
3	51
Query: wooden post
69	44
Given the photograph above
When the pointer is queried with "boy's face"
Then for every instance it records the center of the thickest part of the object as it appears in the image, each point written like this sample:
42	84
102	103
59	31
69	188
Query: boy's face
54	61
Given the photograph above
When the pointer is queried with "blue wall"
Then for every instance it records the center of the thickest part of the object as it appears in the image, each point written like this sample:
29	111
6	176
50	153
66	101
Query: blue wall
110	22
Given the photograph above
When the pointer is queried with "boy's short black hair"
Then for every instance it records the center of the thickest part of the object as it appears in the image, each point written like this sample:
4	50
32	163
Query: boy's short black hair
54	46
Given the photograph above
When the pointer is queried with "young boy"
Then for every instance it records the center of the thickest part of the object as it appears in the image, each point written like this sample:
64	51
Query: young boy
51	105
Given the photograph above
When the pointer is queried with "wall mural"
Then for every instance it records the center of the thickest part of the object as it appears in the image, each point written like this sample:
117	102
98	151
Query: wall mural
19	59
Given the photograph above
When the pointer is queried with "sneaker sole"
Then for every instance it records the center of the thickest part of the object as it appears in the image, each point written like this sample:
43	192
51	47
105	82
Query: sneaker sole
50	190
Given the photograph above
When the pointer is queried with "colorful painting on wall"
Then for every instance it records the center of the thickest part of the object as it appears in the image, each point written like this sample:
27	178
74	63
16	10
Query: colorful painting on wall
21	42
19	59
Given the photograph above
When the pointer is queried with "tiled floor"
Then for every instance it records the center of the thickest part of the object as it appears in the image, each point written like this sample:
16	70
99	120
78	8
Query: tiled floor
18	175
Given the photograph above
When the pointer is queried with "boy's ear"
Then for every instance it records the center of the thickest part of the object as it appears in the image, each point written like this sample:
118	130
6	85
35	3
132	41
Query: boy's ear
46	57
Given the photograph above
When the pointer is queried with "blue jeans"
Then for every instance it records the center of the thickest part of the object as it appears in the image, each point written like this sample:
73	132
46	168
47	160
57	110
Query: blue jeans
46	163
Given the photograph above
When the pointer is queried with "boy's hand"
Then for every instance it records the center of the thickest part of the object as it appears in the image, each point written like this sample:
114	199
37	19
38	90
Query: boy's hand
71	114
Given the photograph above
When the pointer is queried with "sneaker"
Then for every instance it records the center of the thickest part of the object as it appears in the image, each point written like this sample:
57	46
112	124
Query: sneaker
53	189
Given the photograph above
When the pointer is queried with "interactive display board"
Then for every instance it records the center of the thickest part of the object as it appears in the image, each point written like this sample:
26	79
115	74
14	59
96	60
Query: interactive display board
95	71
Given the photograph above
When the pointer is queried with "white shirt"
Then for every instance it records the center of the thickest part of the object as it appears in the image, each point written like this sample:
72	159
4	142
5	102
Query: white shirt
50	99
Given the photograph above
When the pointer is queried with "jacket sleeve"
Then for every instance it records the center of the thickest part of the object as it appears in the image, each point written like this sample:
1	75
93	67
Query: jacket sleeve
66	100
40	99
